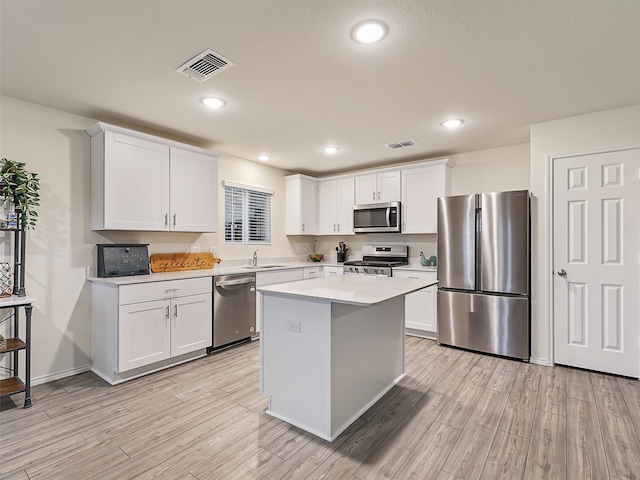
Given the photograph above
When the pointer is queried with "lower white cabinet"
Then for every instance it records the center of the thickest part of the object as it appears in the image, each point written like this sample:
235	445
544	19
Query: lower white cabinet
140	328
420	308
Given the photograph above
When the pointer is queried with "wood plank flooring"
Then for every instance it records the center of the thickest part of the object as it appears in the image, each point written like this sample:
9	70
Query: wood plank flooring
456	415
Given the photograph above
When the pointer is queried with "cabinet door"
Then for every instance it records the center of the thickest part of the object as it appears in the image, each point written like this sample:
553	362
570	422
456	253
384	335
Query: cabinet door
143	334
194	187
302	205
191	323
136	184
327	207
345	195
366	189
388	187
420	308
421	188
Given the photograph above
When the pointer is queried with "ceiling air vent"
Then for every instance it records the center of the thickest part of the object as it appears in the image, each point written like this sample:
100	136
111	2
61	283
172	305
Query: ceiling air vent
405	143
204	66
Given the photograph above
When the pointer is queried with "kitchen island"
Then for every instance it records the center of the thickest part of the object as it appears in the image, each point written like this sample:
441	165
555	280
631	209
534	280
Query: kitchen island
331	347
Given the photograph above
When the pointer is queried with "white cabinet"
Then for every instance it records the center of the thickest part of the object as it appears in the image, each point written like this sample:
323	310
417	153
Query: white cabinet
420	308
145	183
302	205
193	191
335	206
139	328
379	187
332	271
421	187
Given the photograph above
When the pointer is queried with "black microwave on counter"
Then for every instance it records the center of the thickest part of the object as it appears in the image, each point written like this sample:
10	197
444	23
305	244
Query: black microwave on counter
377	218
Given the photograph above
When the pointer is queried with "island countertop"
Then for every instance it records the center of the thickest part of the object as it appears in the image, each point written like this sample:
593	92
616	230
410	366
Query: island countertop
362	290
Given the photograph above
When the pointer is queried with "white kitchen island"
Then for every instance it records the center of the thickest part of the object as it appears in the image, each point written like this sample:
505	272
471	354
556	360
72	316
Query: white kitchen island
331	347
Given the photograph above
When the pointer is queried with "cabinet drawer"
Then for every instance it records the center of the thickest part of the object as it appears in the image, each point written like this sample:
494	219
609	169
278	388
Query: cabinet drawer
145	292
431	275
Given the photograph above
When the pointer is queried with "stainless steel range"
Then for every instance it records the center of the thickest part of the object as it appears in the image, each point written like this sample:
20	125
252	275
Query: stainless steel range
378	260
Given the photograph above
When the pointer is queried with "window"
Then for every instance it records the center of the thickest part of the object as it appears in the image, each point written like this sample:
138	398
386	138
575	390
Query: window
247	213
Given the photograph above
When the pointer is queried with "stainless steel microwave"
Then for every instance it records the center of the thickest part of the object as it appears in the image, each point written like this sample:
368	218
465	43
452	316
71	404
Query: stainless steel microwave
376	218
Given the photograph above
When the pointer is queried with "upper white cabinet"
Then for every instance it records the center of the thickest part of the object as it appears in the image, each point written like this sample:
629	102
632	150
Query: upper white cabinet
335	206
421	187
193	192
302	205
141	182
378	187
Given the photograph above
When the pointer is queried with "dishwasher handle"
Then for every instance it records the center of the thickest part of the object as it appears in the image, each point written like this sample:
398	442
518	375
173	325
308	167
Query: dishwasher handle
233	283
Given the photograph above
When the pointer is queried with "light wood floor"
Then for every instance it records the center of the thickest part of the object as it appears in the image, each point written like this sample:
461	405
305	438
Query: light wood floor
456	415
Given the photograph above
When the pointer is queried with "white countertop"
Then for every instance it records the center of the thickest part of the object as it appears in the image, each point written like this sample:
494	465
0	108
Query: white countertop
363	290
229	270
209	272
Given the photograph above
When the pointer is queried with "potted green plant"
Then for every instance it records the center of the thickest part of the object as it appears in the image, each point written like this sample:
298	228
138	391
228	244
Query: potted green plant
20	188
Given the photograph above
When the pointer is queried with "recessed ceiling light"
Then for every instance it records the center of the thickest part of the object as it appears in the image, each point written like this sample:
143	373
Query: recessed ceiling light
264	158
330	150
370	31
213	102
453	123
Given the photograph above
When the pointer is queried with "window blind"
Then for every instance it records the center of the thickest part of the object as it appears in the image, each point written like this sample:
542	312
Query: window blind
247	214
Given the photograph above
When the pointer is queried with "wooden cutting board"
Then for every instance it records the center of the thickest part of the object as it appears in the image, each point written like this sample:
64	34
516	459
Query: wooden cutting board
174	262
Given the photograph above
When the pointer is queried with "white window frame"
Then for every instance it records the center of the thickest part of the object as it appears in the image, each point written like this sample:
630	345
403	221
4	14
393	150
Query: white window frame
244	214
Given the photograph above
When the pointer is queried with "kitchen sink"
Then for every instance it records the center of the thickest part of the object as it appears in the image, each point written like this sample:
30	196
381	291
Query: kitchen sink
260	267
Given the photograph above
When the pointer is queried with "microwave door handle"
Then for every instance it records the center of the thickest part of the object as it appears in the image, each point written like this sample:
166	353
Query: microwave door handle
388	216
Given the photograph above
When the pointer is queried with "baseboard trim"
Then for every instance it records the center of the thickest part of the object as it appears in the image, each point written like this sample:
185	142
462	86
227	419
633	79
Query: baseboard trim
58	375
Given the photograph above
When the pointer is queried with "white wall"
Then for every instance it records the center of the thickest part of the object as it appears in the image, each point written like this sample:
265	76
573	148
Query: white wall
580	134
53	144
494	170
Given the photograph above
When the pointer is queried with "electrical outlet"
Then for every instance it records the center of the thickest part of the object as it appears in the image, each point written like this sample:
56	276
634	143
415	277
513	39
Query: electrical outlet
293	326
194	249
213	250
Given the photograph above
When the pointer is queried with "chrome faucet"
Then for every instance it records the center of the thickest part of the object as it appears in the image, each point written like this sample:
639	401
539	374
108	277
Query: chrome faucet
255	257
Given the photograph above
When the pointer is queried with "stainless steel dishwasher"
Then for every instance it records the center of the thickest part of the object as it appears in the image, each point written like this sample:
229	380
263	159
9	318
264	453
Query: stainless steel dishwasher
234	308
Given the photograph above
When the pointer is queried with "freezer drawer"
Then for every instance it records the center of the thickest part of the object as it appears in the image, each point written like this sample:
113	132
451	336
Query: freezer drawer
486	323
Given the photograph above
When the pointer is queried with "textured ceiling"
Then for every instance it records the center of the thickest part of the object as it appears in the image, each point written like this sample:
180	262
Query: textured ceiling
299	82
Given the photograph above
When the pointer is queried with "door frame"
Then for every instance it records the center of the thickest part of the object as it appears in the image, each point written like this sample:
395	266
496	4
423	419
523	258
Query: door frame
549	252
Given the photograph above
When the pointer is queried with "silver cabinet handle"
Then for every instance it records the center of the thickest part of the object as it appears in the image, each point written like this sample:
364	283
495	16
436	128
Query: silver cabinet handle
174	219
562	272
166	219
175	311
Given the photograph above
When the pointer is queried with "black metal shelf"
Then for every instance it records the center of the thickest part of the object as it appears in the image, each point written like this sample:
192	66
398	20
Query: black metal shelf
15	345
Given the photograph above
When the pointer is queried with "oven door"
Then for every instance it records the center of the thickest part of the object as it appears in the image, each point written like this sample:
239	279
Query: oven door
374	218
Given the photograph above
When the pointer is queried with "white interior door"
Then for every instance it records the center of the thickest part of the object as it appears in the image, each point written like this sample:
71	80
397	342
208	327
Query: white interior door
596	261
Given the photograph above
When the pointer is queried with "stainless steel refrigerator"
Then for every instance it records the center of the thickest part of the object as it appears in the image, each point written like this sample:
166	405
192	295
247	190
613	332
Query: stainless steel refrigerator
483	273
